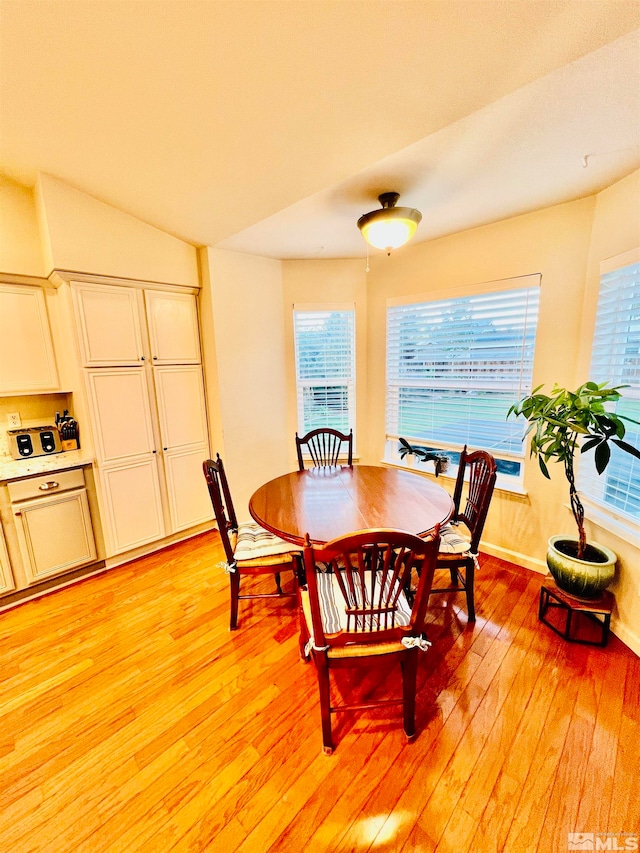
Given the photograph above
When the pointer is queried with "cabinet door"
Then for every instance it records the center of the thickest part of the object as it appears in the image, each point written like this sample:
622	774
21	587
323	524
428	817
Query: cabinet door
131	506
27	363
173	327
108	322
180	397
189	501
120	413
6	576
55	534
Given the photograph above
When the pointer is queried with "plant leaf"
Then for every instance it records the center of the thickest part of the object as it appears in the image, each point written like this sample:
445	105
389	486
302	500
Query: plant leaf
592	442
623	445
603	454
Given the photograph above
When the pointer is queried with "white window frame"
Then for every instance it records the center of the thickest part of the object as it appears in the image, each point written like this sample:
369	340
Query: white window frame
509	482
339	379
591	485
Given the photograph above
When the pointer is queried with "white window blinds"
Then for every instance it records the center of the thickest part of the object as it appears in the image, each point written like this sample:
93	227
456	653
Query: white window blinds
615	359
454	366
325	368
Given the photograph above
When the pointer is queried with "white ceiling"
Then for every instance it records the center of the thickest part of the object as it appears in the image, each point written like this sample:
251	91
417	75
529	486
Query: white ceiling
270	127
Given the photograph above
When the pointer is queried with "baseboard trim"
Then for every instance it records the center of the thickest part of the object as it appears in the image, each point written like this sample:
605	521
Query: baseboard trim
532	563
626	635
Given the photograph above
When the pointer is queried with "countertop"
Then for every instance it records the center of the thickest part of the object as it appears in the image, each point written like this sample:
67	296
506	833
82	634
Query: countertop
16	469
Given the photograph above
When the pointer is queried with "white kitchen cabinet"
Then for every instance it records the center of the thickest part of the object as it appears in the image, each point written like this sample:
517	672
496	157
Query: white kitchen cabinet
140	349
173	327
181	410
132	504
27	362
108	319
53	524
189	501
7	582
121	414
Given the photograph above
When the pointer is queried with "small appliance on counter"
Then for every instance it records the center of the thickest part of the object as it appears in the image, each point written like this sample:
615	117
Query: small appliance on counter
44	440
34	441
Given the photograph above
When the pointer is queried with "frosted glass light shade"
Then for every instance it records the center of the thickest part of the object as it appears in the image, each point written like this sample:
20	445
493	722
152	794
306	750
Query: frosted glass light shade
390	227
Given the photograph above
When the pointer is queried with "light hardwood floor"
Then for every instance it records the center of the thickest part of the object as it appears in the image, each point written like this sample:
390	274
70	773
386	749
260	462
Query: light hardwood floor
131	719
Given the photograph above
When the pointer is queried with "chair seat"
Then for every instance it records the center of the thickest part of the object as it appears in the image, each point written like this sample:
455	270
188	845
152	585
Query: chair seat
451	542
253	542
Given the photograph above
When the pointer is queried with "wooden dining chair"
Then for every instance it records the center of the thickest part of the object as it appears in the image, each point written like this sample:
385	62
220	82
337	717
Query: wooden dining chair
355	611
249	549
324	447
459	547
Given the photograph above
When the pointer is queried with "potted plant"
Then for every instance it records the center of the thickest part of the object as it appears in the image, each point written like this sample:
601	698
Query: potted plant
562	424
440	460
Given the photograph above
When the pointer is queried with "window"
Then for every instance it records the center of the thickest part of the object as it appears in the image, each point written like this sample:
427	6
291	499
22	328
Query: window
325	368
455	366
615	358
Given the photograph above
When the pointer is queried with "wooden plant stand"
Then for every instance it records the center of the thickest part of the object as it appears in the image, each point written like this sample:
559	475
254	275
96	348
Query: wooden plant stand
579	616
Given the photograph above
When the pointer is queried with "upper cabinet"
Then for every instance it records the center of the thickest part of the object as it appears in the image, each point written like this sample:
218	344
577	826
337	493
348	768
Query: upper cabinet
109	327
113	322
173	327
27	362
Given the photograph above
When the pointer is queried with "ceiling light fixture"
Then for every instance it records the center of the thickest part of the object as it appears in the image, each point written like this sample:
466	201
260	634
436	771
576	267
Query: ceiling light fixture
390	227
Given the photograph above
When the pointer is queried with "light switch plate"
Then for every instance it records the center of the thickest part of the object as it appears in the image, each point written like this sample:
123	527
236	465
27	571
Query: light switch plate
13	419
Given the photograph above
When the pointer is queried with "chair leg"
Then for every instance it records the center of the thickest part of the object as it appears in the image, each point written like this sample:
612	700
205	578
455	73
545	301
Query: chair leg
469	581
278	583
409	666
453	571
234	579
325	701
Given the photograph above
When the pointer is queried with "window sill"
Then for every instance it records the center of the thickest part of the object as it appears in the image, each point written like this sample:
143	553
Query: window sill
622	528
501	486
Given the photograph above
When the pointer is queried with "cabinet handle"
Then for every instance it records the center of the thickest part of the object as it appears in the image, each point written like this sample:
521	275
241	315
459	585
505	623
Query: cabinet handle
154	451
142	358
155	358
48	487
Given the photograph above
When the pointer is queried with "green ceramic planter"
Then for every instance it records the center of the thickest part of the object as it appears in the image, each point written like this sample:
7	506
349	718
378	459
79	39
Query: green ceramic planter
585	579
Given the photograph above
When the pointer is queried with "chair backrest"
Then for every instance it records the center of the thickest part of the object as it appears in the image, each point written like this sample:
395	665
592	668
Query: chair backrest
324	446
216	478
482	479
363	579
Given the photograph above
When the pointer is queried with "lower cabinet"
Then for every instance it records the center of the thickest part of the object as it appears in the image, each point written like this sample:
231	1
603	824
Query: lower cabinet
132	506
7	582
189	501
53	524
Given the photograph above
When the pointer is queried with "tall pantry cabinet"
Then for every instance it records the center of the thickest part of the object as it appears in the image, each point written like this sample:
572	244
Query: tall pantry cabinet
140	355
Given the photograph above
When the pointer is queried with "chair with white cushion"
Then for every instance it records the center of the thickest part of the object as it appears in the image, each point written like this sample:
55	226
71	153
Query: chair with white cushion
354	612
459	546
249	549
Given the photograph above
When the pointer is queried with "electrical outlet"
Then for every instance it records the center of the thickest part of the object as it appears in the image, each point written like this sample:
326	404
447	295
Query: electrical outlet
13	419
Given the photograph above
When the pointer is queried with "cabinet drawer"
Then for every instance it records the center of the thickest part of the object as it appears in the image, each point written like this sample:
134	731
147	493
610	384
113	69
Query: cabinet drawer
47	484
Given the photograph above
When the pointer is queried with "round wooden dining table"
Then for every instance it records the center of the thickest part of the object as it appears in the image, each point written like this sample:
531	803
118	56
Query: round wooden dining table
333	501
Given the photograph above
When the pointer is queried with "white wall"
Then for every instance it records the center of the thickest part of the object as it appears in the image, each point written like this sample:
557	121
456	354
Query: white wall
242	294
85	235
20	249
